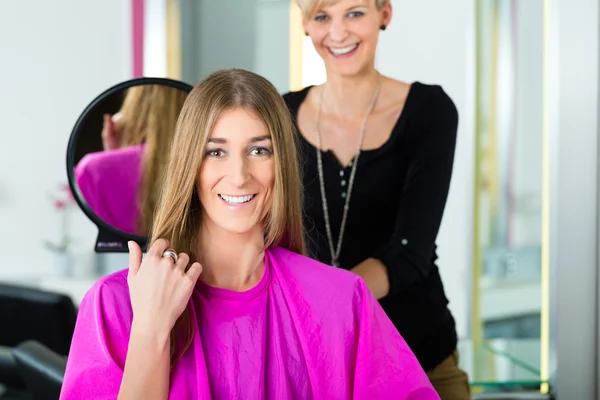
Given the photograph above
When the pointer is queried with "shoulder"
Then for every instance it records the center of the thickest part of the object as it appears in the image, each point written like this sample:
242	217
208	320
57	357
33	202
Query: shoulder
105	316
432	98
432	116
315	276
109	296
100	338
294	99
111	157
102	165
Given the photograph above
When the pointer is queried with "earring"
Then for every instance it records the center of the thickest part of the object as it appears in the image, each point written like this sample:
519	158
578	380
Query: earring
382	27
305	33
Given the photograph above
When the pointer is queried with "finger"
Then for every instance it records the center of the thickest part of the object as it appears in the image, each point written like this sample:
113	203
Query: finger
106	140
135	257
106	123
182	262
194	272
110	127
158	247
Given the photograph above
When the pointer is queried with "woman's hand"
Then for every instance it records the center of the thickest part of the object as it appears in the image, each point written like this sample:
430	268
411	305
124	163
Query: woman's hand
159	288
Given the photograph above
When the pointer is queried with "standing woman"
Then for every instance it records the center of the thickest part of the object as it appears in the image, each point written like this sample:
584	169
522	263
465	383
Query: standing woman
378	156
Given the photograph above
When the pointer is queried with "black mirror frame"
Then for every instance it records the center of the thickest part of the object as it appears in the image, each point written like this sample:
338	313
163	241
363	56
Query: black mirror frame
110	239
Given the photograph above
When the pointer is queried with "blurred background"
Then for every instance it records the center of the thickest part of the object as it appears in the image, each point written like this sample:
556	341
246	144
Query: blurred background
518	244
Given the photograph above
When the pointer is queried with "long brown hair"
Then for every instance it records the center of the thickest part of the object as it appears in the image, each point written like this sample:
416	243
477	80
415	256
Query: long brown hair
179	212
148	115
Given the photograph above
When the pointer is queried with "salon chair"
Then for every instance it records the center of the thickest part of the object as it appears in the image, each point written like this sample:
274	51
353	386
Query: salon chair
13	386
41	369
29	314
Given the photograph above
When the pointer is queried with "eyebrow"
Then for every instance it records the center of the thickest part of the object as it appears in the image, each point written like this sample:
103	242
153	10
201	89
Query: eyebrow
360	5
252	140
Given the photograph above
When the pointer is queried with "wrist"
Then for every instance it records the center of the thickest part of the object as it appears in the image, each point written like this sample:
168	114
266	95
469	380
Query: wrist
375	275
149	335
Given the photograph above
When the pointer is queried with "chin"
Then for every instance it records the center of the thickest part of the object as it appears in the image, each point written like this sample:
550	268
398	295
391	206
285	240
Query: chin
350	71
347	69
238	227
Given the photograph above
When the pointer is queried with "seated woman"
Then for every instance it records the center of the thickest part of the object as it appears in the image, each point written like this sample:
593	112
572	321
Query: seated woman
121	183
225	305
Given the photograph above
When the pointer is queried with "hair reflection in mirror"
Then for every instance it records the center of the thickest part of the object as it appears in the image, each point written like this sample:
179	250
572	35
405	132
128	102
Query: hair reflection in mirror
148	116
178	216
121	184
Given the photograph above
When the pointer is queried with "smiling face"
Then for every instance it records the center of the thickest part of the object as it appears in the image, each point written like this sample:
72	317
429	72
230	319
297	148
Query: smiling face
236	178
345	34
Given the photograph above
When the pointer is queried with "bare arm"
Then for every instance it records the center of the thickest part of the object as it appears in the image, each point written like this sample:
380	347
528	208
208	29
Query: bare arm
146	373
375	276
159	293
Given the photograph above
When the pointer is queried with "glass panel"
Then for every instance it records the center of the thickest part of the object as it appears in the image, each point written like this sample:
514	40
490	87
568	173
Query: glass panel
507	277
207	35
509	166
501	365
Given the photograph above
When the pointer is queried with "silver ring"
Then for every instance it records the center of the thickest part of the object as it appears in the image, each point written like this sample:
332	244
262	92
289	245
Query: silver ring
172	254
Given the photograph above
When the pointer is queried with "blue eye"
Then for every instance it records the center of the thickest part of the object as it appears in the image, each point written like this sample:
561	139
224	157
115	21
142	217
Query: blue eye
320	18
355	14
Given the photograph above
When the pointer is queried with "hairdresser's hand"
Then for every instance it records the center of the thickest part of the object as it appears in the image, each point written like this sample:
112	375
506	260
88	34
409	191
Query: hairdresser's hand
110	134
159	288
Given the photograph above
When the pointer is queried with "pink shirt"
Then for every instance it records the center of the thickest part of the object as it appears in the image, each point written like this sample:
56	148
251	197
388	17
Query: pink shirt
109	182
305	331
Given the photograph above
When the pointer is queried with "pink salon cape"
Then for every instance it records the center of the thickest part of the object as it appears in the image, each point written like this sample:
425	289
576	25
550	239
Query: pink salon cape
109	182
305	331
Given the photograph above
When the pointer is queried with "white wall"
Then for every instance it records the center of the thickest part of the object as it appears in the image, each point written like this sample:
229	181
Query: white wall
56	56
432	41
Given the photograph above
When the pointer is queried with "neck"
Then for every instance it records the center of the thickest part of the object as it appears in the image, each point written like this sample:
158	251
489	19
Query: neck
229	260
349	96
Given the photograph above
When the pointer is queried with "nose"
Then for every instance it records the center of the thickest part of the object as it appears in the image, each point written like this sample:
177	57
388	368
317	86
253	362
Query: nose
239	171
337	30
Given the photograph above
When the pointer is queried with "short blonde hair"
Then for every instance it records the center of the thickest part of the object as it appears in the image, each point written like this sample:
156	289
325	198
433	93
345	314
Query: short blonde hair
310	7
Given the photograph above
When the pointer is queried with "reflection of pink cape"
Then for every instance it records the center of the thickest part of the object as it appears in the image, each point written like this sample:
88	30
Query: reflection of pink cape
109	182
306	331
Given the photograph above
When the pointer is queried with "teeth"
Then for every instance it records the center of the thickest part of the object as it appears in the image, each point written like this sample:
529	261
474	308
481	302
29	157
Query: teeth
343	50
237	199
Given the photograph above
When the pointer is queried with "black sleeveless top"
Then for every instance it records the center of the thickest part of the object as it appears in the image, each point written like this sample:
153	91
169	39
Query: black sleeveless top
397	202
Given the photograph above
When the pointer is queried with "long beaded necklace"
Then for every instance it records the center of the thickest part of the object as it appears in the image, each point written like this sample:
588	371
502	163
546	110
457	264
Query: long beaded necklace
335	253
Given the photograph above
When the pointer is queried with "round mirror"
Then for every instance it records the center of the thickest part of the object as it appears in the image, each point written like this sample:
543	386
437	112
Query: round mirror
117	154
